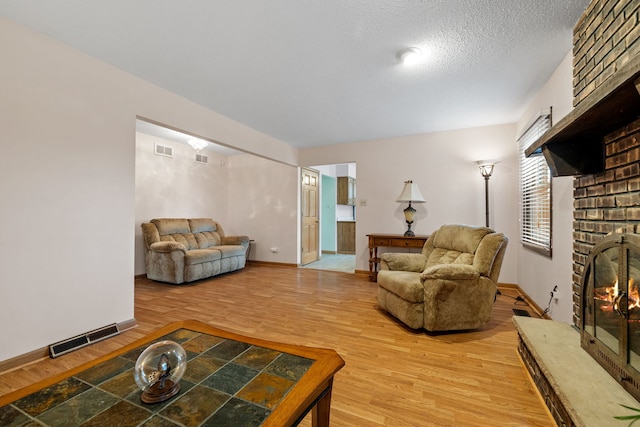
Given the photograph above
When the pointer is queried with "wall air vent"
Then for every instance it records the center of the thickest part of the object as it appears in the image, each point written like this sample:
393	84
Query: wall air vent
82	340
163	150
201	158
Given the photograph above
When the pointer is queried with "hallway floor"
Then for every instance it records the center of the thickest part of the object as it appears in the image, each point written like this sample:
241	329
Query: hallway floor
334	262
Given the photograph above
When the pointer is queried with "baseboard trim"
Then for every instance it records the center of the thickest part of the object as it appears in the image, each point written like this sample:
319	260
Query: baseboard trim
535	307
272	264
43	353
24	359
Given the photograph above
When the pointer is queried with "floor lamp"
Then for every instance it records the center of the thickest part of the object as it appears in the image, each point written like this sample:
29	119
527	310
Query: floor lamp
486	169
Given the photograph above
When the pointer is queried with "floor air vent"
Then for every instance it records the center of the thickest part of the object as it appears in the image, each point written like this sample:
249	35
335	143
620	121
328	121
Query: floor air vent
79	341
520	312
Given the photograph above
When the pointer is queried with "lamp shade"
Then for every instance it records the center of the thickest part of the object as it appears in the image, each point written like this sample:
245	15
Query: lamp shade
410	193
486	169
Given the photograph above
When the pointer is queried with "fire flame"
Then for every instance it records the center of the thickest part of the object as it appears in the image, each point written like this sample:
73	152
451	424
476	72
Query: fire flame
612	293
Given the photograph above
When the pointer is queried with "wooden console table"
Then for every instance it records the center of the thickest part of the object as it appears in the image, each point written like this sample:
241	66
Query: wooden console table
230	380
389	240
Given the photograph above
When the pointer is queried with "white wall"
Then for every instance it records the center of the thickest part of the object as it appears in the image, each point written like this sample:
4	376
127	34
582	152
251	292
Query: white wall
176	187
263	204
538	274
443	165
67	187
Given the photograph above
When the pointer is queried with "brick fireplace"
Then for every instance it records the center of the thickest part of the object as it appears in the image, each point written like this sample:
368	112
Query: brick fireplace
599	144
606	40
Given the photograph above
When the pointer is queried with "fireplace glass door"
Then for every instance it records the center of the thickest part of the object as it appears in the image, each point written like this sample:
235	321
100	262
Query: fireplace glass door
611	307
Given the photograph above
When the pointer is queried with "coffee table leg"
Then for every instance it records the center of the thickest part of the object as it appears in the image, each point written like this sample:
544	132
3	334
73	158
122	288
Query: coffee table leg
322	409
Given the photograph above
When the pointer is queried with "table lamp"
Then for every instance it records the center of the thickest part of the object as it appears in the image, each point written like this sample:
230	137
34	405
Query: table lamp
411	194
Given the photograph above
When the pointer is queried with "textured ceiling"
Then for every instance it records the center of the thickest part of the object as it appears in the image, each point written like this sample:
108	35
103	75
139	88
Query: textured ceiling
325	71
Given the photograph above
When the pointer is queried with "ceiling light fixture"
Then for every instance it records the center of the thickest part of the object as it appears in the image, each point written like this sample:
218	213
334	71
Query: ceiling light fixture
409	55
197	144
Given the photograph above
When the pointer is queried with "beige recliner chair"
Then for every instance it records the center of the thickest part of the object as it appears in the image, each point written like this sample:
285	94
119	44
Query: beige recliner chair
451	285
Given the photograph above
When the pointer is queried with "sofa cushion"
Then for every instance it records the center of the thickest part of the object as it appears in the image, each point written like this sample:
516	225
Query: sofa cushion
205	231
171	226
187	239
231	250
460	238
198	256
198	225
446	256
207	239
405	284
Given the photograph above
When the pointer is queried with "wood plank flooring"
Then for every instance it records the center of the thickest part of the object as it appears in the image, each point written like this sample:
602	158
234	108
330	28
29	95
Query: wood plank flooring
393	376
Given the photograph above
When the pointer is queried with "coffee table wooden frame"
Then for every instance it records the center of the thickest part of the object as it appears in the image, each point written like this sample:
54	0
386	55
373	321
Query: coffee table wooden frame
311	392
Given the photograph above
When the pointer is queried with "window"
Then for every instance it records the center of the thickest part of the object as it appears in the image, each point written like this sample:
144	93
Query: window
535	189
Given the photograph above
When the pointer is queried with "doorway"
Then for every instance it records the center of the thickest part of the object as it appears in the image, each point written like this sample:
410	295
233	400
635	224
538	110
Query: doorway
310	216
337	219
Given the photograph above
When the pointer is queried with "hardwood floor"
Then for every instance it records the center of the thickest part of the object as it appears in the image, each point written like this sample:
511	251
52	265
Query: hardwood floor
393	376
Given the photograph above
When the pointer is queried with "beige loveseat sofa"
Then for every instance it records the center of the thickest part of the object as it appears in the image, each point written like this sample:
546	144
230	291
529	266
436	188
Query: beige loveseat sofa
451	285
183	250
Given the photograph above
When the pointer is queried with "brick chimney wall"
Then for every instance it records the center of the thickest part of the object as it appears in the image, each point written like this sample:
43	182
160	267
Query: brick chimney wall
605	38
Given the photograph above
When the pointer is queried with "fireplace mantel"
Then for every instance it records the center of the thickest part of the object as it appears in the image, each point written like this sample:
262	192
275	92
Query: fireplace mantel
574	146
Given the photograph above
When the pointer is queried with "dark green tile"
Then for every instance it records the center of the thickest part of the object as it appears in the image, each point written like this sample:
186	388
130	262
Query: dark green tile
228	349
157	421
105	370
290	366
195	406
79	409
122	385
43	400
134	354
256	358
201	343
238	413
230	378
10	416
123	414
202	366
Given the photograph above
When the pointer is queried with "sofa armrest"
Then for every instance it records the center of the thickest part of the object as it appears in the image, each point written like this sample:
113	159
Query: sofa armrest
167	247
236	240
450	272
403	262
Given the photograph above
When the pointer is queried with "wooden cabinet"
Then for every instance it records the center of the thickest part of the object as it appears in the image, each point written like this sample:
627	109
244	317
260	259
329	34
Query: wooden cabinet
346	190
347	237
393	241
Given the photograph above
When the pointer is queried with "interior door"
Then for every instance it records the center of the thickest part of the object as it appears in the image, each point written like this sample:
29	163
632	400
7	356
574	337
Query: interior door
310	215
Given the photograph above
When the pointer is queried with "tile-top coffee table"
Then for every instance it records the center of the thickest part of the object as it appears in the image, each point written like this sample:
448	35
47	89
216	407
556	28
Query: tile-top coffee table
230	380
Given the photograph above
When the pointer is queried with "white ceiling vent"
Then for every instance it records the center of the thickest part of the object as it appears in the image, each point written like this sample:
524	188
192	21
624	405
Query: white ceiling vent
201	158
163	150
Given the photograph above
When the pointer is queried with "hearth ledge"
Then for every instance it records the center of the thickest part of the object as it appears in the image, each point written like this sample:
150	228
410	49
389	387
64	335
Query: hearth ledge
589	395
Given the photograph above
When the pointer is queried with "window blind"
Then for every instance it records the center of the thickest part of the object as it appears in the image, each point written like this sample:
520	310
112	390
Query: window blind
535	189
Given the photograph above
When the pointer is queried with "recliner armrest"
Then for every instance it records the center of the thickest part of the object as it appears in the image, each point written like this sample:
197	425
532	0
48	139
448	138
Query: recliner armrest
403	262
167	247
450	272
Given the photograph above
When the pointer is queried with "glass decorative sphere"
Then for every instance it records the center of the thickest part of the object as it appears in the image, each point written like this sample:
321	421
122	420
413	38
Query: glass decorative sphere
158	371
